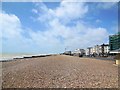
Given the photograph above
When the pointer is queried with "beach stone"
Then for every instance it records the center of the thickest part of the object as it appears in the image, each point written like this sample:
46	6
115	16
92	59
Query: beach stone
59	71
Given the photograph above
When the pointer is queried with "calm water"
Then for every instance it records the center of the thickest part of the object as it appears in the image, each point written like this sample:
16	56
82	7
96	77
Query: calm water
4	57
11	56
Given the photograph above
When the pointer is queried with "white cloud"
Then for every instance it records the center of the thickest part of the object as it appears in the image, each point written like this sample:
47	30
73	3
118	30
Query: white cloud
35	11
98	21
11	26
91	0
62	0
14	40
71	10
57	36
106	5
12	34
77	36
66	12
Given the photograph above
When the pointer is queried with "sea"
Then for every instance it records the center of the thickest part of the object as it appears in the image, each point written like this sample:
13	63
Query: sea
11	56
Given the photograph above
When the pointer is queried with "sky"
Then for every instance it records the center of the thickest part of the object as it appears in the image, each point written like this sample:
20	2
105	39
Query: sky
50	27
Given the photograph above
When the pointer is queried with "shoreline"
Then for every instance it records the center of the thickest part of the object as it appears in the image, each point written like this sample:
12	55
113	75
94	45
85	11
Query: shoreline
45	55
4	59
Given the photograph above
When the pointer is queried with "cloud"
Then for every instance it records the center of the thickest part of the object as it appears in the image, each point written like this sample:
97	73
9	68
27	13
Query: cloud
60	31
35	11
71	10
13	36
11	26
14	40
98	21
106	5
66	12
91	0
76	36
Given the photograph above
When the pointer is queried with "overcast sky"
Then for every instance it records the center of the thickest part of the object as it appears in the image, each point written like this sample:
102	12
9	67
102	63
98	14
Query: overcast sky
50	27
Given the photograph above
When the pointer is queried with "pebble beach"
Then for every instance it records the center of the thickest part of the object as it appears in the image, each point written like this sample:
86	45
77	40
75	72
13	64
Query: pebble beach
59	71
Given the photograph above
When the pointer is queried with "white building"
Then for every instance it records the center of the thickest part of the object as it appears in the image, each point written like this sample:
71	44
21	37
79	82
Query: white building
98	50
78	52
106	49
87	51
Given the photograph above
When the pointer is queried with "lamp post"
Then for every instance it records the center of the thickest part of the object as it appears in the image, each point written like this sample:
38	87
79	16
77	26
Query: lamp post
66	48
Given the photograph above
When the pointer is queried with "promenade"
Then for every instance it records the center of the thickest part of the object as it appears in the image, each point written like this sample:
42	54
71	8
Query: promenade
59	71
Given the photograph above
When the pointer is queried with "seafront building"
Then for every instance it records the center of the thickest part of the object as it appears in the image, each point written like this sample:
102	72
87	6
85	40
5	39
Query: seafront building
104	49
114	43
67	53
88	51
98	50
78	52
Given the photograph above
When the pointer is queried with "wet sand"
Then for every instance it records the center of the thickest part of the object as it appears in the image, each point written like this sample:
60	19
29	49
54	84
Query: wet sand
59	72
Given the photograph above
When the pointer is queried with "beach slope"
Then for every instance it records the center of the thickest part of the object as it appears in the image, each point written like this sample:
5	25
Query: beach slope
59	71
